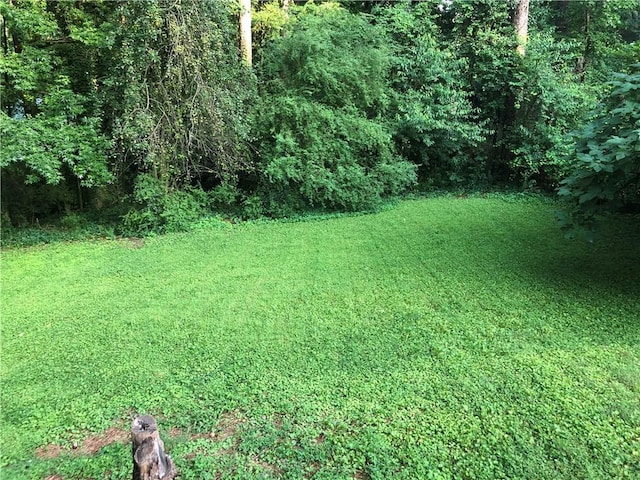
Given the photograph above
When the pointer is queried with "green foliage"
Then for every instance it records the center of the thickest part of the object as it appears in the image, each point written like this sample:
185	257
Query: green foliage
320	134
528	103
435	125
549	104
71	227
330	158
357	100
46	148
160	211
49	127
481	32
606	166
177	106
312	59
444	338
604	35
267	23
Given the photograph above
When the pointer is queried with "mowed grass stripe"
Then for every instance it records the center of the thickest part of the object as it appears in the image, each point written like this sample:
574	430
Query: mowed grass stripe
444	338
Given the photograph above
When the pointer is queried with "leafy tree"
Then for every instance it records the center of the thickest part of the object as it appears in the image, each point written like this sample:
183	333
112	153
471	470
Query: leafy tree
434	123
604	34
528	103
177	104
321	135
268	23
606	174
482	33
549	102
49	123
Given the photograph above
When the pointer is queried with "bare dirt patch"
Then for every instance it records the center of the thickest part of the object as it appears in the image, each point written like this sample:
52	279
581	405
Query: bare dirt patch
226	427
265	466
54	477
49	451
89	446
278	422
92	445
132	242
314	467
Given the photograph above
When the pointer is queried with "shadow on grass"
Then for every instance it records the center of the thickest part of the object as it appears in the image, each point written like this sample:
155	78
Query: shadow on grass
596	285
590	290
610	265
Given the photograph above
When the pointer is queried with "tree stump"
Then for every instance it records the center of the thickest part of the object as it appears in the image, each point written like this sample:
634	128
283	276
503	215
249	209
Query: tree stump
149	460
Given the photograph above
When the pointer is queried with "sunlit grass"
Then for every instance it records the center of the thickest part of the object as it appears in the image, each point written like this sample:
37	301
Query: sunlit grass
445	338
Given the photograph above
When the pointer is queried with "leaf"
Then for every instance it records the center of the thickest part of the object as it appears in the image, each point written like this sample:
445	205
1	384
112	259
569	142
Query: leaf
592	193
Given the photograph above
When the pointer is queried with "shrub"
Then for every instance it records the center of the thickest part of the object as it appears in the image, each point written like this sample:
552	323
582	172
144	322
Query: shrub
606	175
160	211
320	134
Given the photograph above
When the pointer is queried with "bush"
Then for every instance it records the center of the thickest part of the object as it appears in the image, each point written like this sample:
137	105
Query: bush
320	134
331	158
606	158
161	211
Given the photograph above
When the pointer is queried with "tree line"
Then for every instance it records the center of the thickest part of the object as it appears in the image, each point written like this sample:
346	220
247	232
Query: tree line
153	114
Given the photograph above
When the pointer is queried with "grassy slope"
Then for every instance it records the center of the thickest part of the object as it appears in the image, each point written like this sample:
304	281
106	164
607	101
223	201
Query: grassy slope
446	338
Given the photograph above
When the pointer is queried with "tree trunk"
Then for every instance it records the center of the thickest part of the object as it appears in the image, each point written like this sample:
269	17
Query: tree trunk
5	49
521	22
245	31
17	43
581	63
149	460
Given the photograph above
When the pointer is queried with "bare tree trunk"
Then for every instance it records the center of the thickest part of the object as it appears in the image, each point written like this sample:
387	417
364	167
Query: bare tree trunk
17	43
581	63
5	36
149	460
245	31
5	49
521	22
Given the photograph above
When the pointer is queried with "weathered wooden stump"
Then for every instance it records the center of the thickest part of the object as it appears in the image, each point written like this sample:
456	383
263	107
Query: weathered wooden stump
149	460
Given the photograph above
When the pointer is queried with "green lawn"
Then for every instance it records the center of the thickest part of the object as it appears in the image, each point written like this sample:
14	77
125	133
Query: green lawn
443	338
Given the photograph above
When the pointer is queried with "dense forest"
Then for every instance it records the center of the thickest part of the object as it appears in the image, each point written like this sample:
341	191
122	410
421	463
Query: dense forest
148	116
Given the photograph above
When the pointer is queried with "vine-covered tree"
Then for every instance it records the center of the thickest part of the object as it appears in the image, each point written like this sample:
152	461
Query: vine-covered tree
179	101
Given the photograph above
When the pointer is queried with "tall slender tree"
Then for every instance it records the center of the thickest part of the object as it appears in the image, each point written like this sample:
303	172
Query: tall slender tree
245	31
521	22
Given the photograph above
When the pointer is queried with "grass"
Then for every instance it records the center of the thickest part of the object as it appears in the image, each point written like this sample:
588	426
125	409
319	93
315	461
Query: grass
445	338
